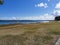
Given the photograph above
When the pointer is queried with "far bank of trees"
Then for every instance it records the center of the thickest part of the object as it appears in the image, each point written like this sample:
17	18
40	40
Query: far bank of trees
57	18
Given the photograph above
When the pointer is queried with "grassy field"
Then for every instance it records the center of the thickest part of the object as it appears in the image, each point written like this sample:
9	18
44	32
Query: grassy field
30	34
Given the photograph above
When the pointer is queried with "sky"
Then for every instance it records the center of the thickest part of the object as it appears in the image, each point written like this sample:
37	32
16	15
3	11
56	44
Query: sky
30	9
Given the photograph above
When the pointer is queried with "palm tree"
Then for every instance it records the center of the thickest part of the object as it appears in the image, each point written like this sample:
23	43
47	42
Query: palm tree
1	2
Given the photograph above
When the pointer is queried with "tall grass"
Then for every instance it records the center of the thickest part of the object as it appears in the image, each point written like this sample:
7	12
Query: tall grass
30	34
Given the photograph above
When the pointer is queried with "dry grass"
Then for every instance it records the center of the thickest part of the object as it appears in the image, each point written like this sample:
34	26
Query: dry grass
30	34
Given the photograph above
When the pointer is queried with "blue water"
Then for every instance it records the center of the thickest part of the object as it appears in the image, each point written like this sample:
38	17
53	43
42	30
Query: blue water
2	22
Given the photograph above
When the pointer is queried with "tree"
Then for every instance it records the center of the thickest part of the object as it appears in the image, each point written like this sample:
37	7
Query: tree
57	18
1	2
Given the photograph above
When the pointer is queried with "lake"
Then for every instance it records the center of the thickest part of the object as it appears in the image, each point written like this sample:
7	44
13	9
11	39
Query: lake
2	22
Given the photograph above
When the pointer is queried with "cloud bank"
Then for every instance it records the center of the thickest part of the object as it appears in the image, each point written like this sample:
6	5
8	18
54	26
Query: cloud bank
41	17
58	5
56	12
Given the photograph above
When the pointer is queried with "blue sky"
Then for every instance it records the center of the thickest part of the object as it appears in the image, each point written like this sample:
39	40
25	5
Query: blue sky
30	9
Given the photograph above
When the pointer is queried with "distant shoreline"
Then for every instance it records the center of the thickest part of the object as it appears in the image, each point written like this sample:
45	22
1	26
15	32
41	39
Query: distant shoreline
7	22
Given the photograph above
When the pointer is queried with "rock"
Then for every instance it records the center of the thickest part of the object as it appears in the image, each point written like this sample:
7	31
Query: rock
58	42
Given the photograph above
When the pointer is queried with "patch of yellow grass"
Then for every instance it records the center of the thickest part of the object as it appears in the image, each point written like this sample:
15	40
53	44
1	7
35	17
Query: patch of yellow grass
33	34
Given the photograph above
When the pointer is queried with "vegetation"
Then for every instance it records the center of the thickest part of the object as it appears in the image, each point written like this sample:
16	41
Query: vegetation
57	18
1	2
30	34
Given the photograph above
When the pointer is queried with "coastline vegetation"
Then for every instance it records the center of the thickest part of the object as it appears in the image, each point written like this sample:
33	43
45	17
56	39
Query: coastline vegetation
30	34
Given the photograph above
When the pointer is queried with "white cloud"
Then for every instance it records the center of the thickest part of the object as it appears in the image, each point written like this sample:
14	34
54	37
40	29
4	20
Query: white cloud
14	18
41	17
56	12
47	17
42	5
58	5
48	0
